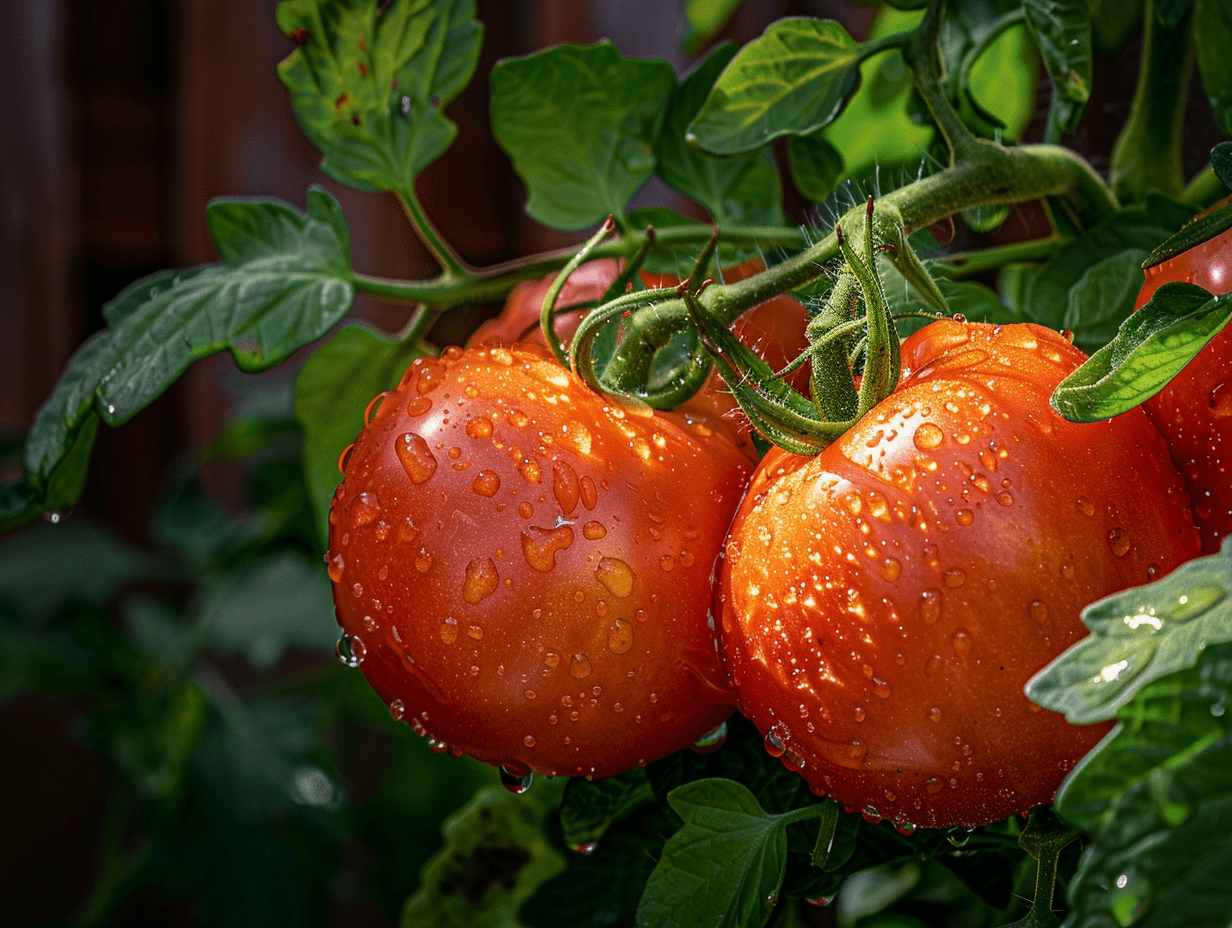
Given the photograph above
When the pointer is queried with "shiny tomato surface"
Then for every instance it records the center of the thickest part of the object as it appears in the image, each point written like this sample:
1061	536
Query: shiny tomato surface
523	567
1194	411
884	603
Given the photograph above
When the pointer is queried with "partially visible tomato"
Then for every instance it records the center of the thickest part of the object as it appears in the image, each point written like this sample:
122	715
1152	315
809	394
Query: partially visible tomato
1194	411
774	329
884	603
523	566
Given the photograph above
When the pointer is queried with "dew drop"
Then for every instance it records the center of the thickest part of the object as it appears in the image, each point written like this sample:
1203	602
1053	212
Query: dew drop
620	637
416	457
961	642
529	741
891	569
449	630
565	486
775	746
525	510
350	650
928	437
515	778
667	562
933	785
1118	541
593	531
616	576
539	545
576	437
934	714
486	483
1085	506
1005	498
954	577
1038	611
335	568
397	710
860	714
418	406
579	667
1220	400
479	427
586	489
930	606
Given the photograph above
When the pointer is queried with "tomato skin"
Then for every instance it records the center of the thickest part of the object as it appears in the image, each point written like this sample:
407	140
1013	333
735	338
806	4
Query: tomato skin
518	321
1194	411
883	604
525	565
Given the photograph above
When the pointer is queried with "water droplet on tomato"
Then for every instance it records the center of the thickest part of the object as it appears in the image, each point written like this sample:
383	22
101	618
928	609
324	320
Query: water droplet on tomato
565	486
964	516
775	745
335	568
593	531
930	606
479	427
576	437
1085	506
667	562
416	457
1118	541
860	714
350	650
928	437
529	468
516	778
1220	400
449	630
954	577
933	785
934	714
1038	611
486	483
961	642
437	746
588	493
397	710
525	510
539	545
579	667
891	569
1005	498
423	561
620	637
529	741
616	576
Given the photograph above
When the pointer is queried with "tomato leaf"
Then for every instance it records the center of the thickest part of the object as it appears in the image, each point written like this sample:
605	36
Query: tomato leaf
816	165
332	391
285	280
724	867
1103	298
1062	29
792	80
705	18
590	806
1137	636
735	190
495	857
368	87
1154	797
271	605
1150	348
580	125
1212	30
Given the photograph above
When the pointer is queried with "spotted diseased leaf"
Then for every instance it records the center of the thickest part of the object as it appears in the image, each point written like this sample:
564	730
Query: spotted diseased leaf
793	80
580	124
1151	347
1137	636
286	279
368	86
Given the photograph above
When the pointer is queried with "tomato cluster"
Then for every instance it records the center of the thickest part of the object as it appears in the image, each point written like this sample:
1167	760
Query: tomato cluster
529	572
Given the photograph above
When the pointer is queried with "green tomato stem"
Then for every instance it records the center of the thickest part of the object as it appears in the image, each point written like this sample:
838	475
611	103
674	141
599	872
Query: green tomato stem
432	240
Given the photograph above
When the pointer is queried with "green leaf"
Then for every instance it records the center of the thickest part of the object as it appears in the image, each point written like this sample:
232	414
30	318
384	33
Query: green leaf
705	18
1137	636
1221	162
285	281
1144	225
1160	848
591	806
279	602
1164	721
736	191
1062	29
332	392
792	80
1113	22
368	87
1103	298
724	867
580	125
1151	347
1212	29
996	95
816	165
495	857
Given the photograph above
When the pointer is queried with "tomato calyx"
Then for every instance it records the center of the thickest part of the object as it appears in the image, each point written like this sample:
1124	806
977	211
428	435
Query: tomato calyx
842	342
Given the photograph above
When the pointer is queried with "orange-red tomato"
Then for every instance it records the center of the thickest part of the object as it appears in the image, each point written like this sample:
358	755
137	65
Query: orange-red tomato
1194	411
884	603
523	567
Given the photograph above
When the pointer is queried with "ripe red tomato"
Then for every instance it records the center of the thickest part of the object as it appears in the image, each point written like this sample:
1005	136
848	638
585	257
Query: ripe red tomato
523	566
884	603
774	329
1194	411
